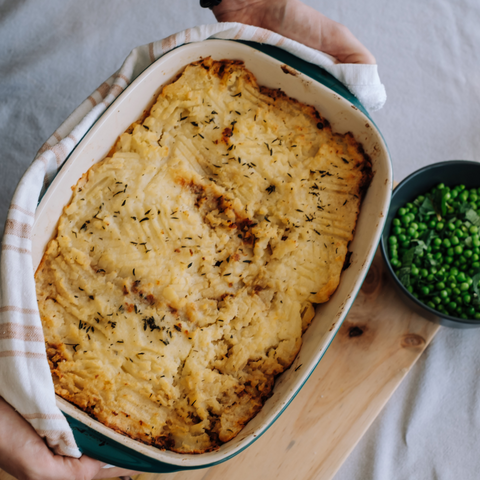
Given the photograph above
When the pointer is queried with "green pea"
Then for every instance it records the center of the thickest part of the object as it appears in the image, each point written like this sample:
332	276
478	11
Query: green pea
446	242
425	290
452	305
443	294
431	304
396	222
467	298
395	262
436	300
458	249
424	272
392	240
464	286
468	253
439	226
432	223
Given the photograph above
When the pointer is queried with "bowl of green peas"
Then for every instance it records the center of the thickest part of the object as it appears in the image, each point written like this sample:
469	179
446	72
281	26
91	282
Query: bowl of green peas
431	242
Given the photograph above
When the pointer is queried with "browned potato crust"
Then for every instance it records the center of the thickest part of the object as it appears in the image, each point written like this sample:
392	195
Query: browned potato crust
187	264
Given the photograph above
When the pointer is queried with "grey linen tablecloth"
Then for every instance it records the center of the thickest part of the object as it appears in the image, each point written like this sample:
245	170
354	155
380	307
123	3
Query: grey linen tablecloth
430	63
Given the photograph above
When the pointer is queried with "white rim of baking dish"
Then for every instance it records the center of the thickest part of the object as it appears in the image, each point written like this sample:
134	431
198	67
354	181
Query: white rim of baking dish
298	86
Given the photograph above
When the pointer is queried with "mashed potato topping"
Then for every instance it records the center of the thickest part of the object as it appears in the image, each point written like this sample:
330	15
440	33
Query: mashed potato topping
185	268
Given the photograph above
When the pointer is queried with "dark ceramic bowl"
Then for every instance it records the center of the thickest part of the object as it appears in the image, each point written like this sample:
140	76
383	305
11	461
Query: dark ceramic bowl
451	173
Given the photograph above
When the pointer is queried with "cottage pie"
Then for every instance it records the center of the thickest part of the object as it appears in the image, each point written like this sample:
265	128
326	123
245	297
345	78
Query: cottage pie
187	264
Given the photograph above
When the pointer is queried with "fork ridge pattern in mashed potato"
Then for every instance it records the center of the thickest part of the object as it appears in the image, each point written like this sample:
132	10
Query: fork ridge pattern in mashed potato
186	266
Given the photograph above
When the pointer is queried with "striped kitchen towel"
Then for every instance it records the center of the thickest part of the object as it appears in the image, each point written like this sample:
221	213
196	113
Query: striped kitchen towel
25	380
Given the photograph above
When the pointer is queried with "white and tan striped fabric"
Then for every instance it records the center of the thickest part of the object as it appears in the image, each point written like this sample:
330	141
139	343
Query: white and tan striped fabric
25	380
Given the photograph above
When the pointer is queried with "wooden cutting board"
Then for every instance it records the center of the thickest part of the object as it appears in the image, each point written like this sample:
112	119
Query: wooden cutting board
375	348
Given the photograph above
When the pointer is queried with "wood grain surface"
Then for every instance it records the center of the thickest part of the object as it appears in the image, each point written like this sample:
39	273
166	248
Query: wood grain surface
375	348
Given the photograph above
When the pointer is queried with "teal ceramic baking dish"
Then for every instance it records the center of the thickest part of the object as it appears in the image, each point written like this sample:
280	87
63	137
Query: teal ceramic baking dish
303	81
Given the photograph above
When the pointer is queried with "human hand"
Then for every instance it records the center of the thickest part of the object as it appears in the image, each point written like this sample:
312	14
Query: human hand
295	20
26	456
